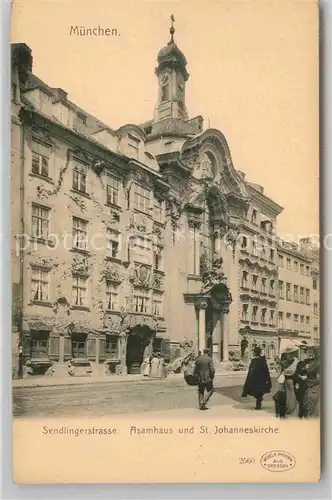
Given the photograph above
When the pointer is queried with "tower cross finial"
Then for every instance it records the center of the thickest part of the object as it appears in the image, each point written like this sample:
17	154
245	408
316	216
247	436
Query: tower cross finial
172	29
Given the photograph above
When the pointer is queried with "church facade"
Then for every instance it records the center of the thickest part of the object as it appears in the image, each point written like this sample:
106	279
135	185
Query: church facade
133	240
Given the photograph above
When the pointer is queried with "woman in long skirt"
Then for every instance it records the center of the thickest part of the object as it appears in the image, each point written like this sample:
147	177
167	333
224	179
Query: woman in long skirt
307	385
289	362
154	366
162	372
146	366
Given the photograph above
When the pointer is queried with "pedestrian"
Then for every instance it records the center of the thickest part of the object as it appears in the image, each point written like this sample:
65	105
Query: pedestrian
307	385
258	381
20	361
161	369
146	366
289	361
204	372
154	366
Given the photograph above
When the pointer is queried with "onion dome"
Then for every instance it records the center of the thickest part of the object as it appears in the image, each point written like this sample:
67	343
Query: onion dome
171	55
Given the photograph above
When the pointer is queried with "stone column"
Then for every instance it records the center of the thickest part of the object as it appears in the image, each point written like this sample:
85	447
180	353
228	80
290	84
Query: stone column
216	338
225	334
97	349
61	349
123	354
201	327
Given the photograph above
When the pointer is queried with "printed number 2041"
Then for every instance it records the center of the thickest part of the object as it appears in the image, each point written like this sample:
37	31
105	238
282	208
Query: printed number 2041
246	460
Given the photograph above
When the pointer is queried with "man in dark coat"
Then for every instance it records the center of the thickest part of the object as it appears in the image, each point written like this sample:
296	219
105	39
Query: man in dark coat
258	380
204	372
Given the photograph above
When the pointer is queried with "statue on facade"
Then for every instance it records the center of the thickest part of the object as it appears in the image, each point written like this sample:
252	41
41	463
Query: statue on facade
215	276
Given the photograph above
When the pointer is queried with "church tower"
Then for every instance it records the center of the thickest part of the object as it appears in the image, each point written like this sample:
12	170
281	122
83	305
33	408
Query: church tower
172	77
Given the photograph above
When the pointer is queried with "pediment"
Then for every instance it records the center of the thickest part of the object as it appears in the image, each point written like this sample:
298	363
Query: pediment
208	158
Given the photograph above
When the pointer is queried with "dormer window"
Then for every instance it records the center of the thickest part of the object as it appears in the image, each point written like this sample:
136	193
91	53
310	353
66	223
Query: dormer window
133	143
43	97
81	118
254	216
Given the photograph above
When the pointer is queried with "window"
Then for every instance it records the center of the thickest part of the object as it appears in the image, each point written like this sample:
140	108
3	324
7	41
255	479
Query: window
133	143
112	191
302	295
307	270
165	93
307	323
272	282
301	268
80	173
289	264
254	314
263	316
288	321
302	323
80	233
112	349
307	296
244	279
315	309
280	320
271	255
296	293
158	258
40	221
157	305
78	345
40	283
244	243
254	216
141	248
263	255
142	199
112	292
315	332
288	291
314	283
245	308
80	291
113	242
281	261
296	322
254	282
263	285
39	344
41	154
254	248
158	210
281	290
272	316
141	301
296	266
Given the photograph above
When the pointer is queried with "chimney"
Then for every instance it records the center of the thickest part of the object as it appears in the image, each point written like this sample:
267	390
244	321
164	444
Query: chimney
241	174
60	94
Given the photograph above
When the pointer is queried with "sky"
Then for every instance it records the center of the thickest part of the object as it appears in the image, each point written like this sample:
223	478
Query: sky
253	75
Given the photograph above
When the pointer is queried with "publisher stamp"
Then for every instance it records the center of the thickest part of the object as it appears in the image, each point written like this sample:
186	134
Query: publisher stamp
278	461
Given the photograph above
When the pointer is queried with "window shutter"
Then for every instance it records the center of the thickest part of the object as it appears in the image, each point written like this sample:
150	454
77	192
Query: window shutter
67	348
54	348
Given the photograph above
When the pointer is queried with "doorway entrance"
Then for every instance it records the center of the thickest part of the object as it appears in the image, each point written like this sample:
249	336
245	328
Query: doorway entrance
137	342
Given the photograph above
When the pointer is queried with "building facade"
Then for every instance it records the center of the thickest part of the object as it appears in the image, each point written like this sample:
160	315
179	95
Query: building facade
133	240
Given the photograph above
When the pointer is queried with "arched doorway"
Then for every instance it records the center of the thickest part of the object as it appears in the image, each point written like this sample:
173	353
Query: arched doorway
138	340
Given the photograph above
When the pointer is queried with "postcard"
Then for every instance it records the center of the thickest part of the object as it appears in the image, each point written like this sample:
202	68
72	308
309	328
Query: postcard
165	242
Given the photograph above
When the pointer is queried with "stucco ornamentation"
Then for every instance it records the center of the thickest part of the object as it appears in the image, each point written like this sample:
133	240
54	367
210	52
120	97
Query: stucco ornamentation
111	273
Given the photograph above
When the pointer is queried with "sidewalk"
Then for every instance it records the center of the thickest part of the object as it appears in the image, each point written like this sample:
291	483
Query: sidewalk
43	381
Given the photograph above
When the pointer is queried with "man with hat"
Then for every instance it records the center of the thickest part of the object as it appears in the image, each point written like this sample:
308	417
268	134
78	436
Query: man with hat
204	372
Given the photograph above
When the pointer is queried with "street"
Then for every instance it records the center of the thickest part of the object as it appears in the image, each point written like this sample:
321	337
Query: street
107	398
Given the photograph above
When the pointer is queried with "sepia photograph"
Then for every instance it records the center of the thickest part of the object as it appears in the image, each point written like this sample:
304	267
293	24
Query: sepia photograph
165	227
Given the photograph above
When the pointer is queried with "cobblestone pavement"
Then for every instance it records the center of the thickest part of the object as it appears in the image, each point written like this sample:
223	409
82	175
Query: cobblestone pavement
103	399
